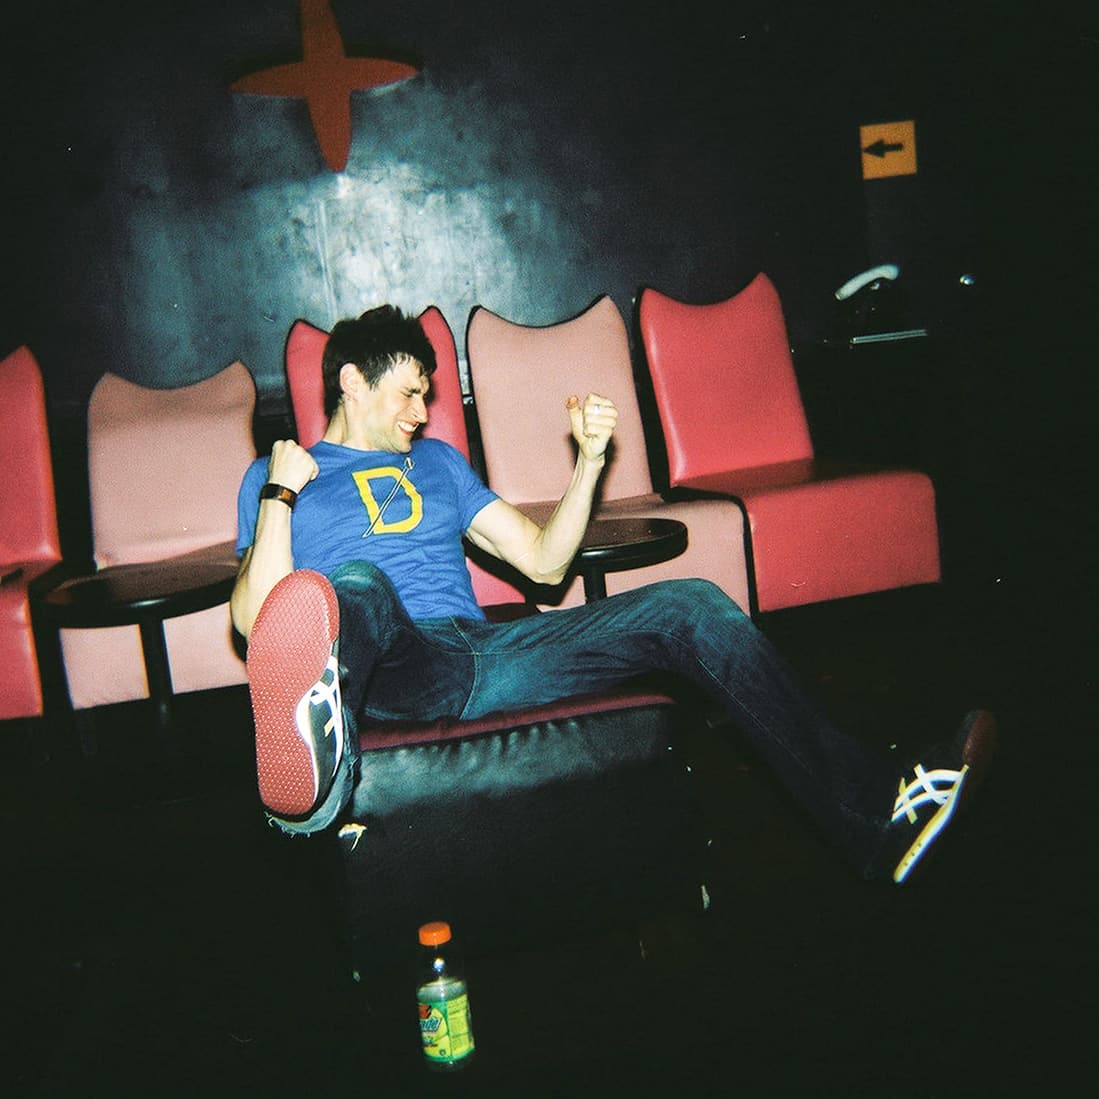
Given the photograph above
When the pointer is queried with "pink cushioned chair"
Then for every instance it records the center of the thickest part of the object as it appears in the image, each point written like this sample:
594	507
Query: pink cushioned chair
29	544
446	416
164	468
521	377
571	810
731	411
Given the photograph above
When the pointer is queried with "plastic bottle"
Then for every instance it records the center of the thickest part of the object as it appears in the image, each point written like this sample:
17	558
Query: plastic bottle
446	1026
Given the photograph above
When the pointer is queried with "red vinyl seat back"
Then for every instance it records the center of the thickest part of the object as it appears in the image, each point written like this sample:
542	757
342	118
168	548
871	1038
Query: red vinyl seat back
724	382
302	355
445	411
734	425
29	543
446	417
29	530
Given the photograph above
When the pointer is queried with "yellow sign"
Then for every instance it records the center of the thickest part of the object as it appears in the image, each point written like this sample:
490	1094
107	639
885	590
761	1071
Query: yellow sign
888	149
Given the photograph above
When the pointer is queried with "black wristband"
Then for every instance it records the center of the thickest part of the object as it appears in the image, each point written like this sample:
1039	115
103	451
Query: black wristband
271	491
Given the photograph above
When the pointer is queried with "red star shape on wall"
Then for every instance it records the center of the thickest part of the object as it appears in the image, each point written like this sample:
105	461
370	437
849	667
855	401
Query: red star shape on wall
325	78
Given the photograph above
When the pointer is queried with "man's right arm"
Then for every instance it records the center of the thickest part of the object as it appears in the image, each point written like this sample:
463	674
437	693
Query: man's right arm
270	557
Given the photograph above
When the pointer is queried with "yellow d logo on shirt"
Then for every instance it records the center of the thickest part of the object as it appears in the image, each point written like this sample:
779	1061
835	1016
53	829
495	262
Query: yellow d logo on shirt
375	510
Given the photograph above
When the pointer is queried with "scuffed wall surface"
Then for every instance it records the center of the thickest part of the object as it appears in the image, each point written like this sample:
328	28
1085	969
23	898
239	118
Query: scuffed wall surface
542	157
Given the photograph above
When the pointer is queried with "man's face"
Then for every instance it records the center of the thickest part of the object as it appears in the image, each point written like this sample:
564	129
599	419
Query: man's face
393	411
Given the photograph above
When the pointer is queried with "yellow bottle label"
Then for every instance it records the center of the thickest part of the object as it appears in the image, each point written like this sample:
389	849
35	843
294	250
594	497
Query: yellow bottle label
446	1029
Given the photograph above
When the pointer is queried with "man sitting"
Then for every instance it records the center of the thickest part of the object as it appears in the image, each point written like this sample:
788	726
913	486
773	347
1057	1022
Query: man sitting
357	605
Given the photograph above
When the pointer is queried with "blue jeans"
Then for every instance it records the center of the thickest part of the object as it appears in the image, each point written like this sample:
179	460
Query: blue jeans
394	668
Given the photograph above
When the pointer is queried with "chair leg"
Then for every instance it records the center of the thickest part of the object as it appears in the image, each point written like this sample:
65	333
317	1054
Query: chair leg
84	729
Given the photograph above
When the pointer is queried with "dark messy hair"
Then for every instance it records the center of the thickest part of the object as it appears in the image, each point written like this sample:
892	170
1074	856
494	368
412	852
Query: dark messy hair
376	342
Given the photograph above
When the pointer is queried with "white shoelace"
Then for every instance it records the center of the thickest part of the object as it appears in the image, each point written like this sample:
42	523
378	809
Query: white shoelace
936	786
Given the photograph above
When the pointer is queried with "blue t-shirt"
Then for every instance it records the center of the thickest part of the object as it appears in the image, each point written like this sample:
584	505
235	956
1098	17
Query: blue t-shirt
416	507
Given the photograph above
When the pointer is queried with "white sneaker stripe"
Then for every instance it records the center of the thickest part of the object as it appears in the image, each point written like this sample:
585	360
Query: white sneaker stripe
323	695
945	798
329	693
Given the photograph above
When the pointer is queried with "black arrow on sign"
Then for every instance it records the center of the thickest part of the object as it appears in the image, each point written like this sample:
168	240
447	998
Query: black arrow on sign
880	148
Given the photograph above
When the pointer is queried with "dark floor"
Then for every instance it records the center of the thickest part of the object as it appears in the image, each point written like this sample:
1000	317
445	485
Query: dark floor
161	940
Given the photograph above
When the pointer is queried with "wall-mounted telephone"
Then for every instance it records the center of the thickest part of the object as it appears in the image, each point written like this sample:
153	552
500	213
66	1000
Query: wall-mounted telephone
888	271
877	313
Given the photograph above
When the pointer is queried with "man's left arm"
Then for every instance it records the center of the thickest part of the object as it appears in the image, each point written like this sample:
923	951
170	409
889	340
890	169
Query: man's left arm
544	553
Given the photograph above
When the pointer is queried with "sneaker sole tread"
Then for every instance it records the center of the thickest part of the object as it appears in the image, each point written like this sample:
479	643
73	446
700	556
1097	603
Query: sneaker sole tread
288	652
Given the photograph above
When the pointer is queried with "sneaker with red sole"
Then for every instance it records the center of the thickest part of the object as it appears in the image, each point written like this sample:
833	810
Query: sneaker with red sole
293	677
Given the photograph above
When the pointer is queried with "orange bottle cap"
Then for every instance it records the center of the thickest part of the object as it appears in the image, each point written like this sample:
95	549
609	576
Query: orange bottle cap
435	933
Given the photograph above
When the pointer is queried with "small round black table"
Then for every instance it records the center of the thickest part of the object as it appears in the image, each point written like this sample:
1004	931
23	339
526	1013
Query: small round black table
143	595
614	545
